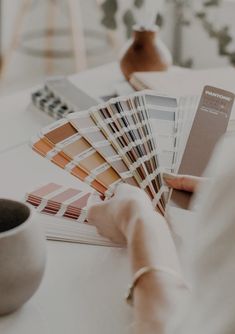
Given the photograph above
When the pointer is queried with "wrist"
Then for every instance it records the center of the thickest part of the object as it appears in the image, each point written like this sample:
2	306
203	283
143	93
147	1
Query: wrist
133	213
150	243
141	221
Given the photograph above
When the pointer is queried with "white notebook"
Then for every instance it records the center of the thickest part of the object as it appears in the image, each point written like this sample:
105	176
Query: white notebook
184	81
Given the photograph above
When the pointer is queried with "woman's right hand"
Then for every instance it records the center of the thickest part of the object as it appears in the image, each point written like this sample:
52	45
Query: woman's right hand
183	182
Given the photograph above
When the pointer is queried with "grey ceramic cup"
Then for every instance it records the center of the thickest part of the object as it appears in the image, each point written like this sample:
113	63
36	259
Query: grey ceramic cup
22	255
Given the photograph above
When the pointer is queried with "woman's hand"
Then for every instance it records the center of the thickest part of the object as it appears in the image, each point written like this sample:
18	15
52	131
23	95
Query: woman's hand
183	182
129	217
115	218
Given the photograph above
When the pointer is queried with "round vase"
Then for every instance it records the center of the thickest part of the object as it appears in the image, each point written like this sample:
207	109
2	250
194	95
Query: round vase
145	52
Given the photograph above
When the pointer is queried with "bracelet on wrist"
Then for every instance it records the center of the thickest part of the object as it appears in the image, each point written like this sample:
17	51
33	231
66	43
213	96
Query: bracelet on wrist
148	269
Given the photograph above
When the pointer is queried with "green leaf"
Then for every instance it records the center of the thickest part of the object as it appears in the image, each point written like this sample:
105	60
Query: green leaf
129	21
109	23
187	63
200	15
185	22
232	58
138	3
159	20
109	8
210	3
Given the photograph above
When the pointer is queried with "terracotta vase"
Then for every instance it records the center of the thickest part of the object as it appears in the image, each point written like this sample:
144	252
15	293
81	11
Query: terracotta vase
146	52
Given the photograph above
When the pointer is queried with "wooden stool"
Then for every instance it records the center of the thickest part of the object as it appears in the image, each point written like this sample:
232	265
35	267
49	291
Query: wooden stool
75	30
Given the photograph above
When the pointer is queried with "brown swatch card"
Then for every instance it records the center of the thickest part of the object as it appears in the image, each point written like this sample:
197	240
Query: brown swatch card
210	123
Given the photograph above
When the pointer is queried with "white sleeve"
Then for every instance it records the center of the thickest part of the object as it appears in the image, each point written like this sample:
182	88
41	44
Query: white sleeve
210	308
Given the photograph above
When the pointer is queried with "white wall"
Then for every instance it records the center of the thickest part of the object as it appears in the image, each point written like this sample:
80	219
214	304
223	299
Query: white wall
23	71
202	49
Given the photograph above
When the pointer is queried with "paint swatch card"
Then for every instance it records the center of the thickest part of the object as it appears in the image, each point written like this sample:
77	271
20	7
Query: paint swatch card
67	211
87	127
210	123
127	146
56	200
77	156
163	113
59	97
135	126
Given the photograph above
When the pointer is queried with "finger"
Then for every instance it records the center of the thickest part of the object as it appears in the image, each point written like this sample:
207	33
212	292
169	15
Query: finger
104	225
125	191
96	212
182	182
188	184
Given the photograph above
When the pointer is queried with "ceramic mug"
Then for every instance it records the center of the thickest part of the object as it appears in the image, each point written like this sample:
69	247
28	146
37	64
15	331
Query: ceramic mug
22	255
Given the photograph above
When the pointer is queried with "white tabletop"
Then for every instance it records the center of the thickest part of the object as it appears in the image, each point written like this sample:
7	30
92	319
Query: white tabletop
83	287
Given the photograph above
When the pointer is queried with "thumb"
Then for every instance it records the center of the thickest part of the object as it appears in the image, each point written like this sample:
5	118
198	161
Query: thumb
182	182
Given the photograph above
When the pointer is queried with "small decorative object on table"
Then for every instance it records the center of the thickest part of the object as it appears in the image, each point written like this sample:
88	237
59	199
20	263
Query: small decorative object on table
22	255
146	52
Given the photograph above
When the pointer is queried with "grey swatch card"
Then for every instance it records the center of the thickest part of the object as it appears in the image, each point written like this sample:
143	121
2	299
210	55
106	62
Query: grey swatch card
71	95
210	123
59	97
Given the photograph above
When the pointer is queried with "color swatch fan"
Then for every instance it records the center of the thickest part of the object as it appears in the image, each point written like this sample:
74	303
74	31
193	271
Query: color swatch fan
134	139
130	139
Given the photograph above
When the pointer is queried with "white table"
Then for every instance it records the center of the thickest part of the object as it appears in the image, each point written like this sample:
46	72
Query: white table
83	287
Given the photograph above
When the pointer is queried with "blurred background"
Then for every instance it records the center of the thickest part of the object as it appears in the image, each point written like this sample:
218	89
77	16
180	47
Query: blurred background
39	38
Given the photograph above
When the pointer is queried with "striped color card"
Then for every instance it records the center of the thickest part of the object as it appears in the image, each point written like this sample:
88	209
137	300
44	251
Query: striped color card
59	201
123	127
66	209
163	113
128	127
149	147
86	126
65	140
103	119
46	149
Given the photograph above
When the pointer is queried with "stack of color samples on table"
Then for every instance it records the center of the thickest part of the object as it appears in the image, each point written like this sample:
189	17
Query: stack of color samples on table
63	202
68	210
130	139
